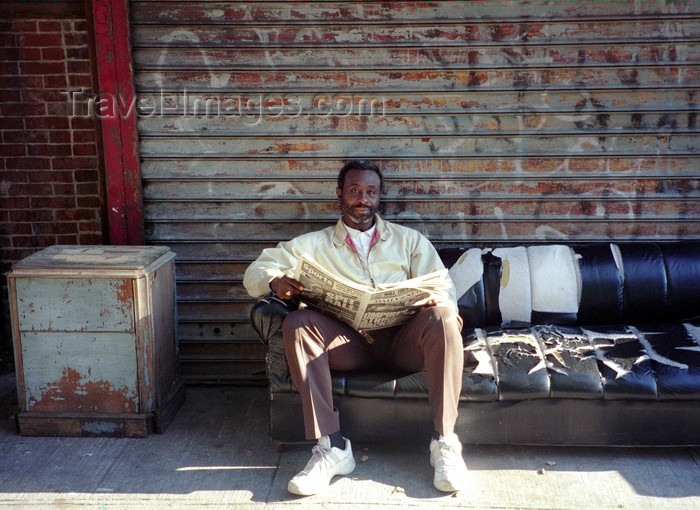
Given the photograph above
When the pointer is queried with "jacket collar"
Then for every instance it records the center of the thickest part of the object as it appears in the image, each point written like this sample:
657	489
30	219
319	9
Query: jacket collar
340	232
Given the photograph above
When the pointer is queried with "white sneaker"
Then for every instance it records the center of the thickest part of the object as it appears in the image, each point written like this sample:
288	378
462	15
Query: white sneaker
446	458
325	463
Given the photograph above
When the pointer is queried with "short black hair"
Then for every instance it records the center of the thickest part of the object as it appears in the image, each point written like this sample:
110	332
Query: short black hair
360	164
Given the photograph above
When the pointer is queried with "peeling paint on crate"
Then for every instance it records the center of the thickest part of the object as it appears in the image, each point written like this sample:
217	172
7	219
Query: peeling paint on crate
66	304
95	343
74	391
125	293
65	365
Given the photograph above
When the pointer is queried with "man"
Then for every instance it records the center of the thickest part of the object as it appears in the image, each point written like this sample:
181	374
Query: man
366	249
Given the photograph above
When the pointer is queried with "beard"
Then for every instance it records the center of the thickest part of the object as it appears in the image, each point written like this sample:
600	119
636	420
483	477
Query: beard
359	217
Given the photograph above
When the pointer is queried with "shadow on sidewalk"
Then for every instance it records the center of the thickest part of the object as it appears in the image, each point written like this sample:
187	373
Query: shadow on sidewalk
218	450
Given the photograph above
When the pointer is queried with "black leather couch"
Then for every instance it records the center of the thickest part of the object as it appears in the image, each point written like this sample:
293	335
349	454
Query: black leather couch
624	370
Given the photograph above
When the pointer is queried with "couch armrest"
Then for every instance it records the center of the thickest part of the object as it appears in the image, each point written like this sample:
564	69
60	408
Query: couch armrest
266	317
277	369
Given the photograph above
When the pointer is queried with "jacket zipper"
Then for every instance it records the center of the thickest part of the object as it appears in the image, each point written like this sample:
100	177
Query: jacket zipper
369	272
354	249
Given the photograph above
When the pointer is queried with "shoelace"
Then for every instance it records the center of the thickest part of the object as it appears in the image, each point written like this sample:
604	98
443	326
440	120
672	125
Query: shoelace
319	455
449	455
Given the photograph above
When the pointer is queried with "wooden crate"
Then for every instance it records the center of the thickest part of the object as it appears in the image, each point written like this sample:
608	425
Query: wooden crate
94	340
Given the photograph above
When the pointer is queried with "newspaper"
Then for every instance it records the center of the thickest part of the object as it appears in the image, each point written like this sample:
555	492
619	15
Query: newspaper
363	307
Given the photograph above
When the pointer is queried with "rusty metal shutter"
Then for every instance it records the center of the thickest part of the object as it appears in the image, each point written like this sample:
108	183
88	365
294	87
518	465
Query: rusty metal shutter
512	121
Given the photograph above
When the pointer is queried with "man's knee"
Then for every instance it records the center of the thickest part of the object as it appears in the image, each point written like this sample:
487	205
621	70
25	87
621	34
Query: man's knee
442	323
439	311
441	316
296	322
293	321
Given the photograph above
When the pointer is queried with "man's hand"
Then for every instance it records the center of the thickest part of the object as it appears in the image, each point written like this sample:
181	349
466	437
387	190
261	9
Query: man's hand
286	287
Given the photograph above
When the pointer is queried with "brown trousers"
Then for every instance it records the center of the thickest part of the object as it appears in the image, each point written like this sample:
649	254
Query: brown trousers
430	341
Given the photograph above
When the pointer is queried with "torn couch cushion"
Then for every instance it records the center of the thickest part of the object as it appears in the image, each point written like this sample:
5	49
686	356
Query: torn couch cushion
514	299
554	279
467	271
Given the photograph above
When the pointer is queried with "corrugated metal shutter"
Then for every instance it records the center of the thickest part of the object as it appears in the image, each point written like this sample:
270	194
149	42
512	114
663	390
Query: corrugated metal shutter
494	121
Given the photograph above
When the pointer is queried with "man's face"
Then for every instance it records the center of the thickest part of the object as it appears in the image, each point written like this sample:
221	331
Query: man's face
359	198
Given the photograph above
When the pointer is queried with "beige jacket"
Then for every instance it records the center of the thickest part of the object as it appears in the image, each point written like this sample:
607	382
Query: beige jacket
396	254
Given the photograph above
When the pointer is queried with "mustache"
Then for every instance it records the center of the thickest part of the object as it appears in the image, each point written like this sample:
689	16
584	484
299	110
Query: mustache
368	210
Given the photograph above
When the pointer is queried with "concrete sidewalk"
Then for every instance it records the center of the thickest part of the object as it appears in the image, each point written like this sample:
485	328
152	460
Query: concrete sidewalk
216	454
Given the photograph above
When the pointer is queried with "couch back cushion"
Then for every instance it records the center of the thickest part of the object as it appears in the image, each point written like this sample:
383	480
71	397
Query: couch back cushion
601	283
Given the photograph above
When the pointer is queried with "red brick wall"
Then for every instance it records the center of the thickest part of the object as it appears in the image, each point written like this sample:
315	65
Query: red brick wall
51	189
